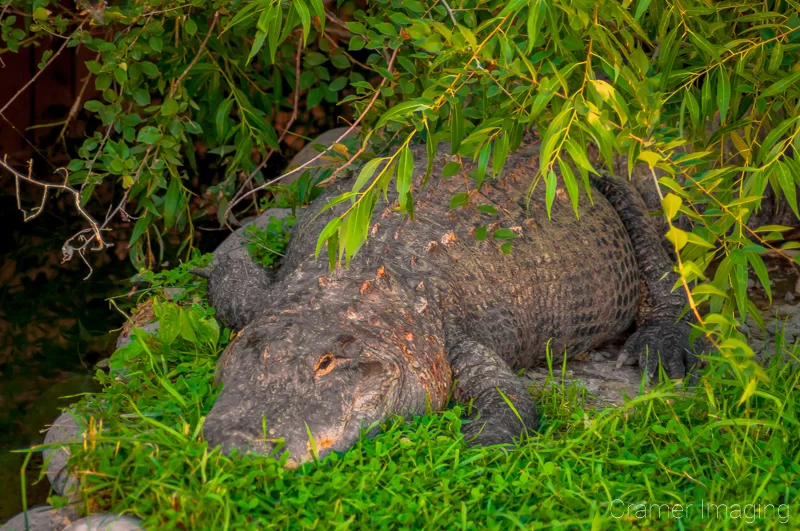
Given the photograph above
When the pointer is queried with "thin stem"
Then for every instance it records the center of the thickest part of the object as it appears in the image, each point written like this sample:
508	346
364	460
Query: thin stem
178	81
97	154
323	152
73	111
39	73
5	8
655	181
29	215
289	124
449	11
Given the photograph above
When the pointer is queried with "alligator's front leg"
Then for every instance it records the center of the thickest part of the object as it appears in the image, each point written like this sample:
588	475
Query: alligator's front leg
239	290
483	377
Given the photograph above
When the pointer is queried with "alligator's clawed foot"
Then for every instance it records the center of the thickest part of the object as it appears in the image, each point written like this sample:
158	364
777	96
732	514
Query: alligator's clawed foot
494	421
665	343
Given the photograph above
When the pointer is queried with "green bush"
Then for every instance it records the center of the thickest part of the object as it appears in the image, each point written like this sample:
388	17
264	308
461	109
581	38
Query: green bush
267	246
704	94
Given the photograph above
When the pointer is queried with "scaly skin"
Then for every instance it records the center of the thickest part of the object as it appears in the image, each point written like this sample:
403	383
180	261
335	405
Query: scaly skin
423	304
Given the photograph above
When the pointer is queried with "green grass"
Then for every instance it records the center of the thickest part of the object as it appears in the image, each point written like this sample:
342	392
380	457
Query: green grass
266	246
144	455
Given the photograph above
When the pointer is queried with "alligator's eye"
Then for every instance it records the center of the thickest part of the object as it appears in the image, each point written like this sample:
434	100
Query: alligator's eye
324	365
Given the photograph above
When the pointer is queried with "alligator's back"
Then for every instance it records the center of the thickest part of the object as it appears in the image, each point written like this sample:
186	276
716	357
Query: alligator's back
571	280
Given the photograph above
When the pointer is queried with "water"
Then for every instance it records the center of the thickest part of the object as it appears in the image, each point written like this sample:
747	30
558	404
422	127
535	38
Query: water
54	327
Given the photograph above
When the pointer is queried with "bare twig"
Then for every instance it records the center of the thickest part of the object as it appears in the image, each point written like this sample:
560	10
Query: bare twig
333	18
95	228
449	12
352	59
151	13
121	205
97	154
323	152
177	82
2	14
20	13
23	137
69	249
655	181
345	165
91	269
291	121
338	32
36	76
73	111
5	8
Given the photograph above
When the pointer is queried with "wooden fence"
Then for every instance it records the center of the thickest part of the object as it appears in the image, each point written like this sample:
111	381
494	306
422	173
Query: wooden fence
46	103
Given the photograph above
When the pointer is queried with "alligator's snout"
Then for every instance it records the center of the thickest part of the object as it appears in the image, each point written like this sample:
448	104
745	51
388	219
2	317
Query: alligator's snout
285	390
239	440
300	451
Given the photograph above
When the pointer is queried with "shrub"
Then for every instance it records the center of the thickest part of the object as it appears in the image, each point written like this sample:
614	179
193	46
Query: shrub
704	95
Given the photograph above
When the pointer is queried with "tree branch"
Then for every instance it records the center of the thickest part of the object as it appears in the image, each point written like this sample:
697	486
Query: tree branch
323	152
95	227
285	129
333	18
73	111
36	76
449	12
178	81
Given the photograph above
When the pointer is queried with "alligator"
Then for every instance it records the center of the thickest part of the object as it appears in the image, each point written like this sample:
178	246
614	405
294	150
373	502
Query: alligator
436	306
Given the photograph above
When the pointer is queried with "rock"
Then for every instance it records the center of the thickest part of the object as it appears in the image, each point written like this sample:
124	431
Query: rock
106	522
125	339
754	329
607	353
751	283
606	385
43	518
234	247
757	345
744	329
596	356
308	152
64	429
789	297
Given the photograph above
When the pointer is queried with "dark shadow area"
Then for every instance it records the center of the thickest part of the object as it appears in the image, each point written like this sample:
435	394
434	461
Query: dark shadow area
54	327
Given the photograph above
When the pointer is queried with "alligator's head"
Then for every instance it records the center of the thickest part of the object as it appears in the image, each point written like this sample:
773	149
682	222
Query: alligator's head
307	389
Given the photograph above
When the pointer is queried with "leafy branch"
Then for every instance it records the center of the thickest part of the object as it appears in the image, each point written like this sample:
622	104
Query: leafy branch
703	97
